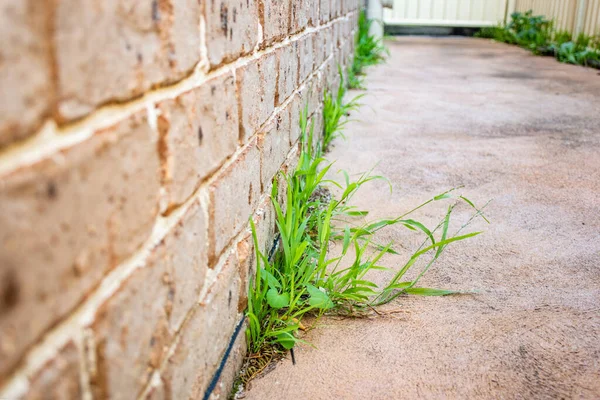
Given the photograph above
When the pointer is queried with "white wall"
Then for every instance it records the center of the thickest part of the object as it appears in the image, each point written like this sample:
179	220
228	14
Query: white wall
446	12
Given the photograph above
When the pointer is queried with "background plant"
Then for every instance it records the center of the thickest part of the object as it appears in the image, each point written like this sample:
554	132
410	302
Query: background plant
368	51
537	34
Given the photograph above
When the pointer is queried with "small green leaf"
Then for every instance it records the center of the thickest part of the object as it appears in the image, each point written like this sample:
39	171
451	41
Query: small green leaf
442	196
429	292
277	300
318	298
271	280
401	285
286	340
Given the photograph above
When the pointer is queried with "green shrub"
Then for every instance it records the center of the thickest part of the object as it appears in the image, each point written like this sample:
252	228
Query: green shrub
498	33
536	33
531	31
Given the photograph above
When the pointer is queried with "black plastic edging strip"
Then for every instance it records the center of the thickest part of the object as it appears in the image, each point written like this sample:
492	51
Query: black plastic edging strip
238	328
219	371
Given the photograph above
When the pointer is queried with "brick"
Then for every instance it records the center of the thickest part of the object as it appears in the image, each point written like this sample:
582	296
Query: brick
347	54
233	197
186	261
256	85
337	34
313	12
296	107
304	13
132	333
264	221
57	378
121	48
309	98
275	19
345	6
233	365
348	29
25	71
82	212
305	57
287	72
204	337
322	45
331	74
198	131
133	328
335	8
231	29
317	118
325	11
274	144
288	168
315	88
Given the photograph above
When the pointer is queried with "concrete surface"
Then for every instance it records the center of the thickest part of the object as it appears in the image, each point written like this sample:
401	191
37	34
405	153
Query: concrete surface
518	129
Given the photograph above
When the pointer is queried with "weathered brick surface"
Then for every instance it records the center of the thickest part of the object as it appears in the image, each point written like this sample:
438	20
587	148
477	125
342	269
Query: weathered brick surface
322	46
256	84
120	49
233	196
337	37
296	107
274	144
331	73
66	221
133	328
25	71
205	336
317	119
58	378
230	370
198	131
264	222
132	332
231	29
130	228
324	11
287	72
275	19
306	57
314	92
304	13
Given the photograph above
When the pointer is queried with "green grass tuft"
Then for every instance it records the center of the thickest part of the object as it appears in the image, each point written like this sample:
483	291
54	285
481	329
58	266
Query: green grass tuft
368	51
335	112
304	277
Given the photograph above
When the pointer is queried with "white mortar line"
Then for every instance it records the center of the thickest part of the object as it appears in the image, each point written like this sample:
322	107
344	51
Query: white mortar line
52	138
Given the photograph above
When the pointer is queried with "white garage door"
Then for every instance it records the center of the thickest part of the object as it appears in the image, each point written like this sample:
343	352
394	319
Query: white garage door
467	13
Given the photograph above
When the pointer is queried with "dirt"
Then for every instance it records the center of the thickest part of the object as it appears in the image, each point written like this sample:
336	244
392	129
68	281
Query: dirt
523	131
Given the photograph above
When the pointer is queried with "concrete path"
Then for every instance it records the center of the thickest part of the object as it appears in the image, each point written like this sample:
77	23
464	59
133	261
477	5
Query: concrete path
518	129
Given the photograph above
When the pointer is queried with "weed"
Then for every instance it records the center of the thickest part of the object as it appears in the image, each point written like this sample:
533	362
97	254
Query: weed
304	278
368	51
335	112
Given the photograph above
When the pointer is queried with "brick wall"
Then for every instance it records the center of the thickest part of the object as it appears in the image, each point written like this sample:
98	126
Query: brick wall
136	138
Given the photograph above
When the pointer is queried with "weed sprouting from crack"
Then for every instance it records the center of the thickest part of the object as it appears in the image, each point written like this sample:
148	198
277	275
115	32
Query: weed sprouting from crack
304	277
